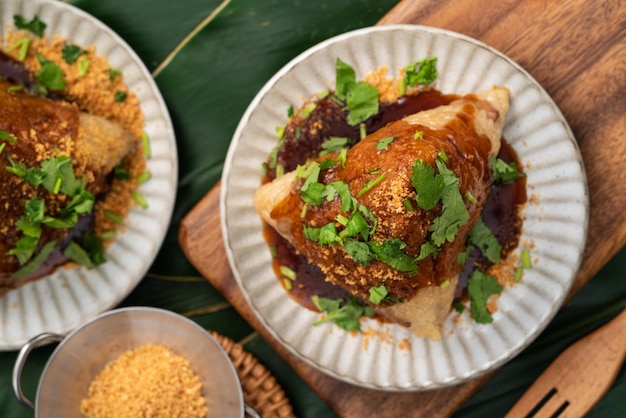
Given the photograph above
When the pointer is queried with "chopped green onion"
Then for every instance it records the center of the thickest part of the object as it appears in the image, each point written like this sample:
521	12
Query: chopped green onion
287	284
82	65
518	273
362	130
273	251
2	147
144	177
288	273
15	89
57	185
280	170
371	184
145	141
141	201
418	135
305	112
402	86
408	205
470	198
107	234
323	94
23	44
525	256
280	132
113	217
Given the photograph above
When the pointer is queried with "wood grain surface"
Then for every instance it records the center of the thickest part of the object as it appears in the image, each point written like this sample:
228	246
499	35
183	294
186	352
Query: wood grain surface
577	51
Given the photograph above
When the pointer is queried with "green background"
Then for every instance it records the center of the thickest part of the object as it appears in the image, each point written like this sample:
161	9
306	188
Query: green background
228	50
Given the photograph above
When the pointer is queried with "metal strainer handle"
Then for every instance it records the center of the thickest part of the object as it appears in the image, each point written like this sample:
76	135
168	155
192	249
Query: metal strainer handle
39	340
251	412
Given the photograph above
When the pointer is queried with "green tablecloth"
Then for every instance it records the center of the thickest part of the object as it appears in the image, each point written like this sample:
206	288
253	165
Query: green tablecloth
207	84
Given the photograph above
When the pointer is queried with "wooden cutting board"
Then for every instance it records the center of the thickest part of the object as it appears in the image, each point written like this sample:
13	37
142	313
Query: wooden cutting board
577	52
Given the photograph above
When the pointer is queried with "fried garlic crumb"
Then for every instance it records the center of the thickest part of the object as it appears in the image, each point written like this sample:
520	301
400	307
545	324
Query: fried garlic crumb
148	381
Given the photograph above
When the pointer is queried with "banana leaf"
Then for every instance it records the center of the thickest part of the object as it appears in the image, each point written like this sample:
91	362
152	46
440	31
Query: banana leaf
209	58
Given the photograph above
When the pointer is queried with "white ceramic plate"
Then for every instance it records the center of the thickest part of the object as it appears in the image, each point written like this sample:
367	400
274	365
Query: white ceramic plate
69	297
556	225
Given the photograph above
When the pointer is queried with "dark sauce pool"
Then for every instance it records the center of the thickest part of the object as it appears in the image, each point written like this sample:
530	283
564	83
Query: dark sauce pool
303	139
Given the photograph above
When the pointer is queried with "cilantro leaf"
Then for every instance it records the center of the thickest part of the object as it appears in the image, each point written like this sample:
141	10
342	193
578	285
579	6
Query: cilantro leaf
324	235
361	98
77	254
390	252
383	144
483	239
24	248
347	316
70	53
334	144
421	72
359	251
5	136
427	184
49	77
362	103
378	294
344	79
313	194
454	213
427	248
36	261
113	73
356	225
502	172
59	175
311	191
90	254
35	25
342	189
480	286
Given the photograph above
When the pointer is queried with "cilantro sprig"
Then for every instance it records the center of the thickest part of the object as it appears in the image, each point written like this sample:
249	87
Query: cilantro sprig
56	175
421	72
432	188
479	288
49	77
502	172
34	25
482	238
345	315
360	97
71	53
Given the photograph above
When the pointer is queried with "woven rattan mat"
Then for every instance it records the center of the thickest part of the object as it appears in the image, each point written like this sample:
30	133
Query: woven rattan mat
260	389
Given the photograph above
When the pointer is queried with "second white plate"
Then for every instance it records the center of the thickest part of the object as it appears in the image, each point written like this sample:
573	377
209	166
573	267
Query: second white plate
67	298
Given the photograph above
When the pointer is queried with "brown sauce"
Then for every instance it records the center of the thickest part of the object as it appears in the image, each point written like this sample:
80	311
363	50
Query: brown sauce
303	139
